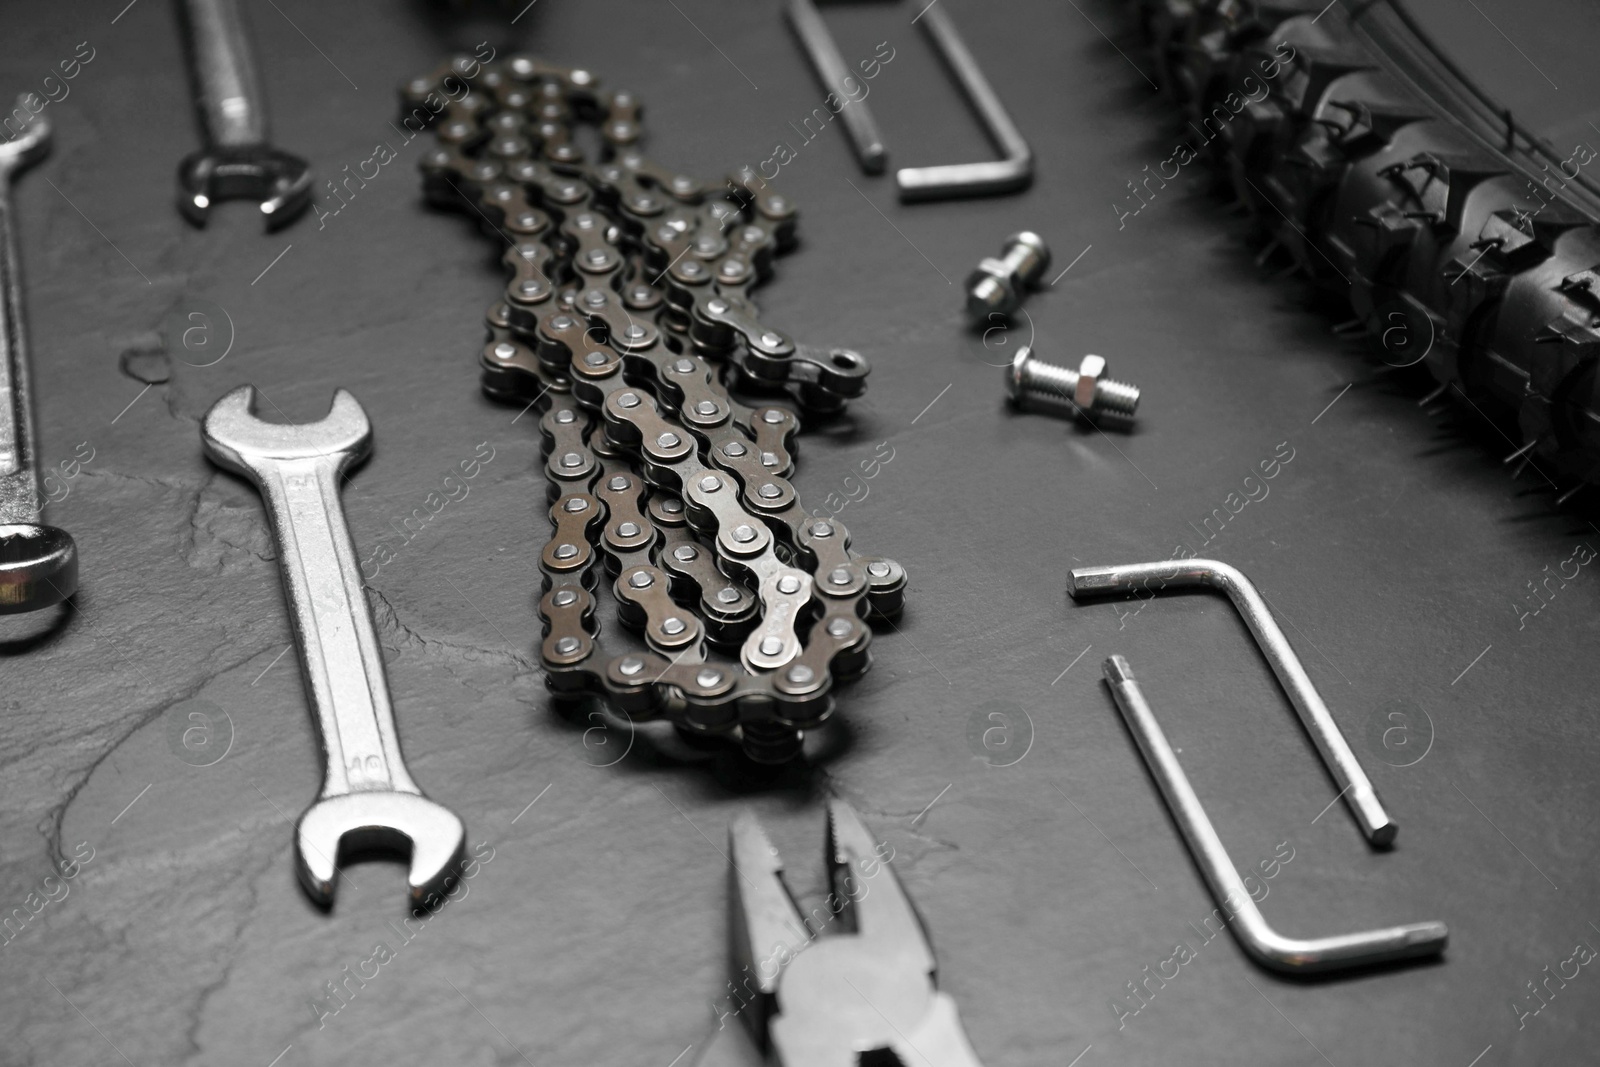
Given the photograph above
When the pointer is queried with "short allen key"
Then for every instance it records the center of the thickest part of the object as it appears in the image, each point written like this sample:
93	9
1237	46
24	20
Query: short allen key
1356	787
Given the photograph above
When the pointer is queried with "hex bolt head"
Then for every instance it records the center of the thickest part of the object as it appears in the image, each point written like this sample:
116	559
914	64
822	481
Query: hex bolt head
997	286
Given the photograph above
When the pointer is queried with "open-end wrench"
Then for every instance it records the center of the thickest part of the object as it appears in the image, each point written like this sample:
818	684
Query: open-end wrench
237	162
38	563
368	800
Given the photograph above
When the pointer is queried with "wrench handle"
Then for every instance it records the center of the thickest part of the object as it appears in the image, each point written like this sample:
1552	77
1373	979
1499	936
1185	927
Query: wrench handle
19	484
224	69
333	626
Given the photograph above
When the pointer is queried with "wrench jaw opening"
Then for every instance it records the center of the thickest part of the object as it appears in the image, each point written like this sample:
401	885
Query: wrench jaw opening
380	822
278	181
233	436
38	567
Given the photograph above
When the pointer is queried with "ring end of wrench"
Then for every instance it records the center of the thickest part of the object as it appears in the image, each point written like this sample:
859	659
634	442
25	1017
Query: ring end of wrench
364	823
38	567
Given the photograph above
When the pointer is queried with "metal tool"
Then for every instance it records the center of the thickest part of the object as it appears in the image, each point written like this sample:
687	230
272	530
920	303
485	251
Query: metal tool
368	800
1264	944
38	563
1356	787
1012	172
1087	388
236	162
828	1001
997	286
832	69
667	453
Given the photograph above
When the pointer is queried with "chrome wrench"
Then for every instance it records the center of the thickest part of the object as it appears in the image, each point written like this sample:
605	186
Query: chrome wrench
38	563
237	161
368	800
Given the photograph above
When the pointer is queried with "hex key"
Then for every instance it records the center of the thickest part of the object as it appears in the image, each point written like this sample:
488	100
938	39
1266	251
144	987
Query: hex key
831	69
1014	171
1357	788
1260	941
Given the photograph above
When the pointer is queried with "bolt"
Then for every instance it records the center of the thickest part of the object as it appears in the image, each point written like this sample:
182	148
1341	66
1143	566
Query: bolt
997	285
1087	387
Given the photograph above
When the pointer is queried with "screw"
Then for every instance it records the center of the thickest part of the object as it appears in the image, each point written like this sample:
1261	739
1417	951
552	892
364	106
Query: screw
1087	387
997	285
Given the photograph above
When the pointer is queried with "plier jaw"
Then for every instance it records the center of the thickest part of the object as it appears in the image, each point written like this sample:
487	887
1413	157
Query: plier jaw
817	999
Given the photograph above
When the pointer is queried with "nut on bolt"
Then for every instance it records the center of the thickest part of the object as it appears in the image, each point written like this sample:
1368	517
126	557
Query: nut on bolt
997	286
1087	388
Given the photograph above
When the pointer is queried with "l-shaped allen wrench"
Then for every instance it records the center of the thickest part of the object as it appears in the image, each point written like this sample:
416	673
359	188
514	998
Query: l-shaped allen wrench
1259	940
1013	171
1293	955
1356	787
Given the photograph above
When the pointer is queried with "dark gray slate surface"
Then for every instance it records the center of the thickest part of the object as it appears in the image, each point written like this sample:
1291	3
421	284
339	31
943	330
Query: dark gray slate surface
595	934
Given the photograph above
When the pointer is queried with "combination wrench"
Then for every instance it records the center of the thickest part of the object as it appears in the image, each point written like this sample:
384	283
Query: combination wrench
368	800
38	563
236	162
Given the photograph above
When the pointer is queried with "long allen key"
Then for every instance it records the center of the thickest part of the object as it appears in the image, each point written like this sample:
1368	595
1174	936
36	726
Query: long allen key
1264	944
38	563
368	800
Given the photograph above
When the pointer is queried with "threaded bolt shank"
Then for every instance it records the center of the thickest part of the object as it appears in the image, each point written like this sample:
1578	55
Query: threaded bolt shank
1086	388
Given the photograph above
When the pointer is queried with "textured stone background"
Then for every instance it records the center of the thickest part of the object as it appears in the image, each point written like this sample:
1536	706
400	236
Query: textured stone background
1392	542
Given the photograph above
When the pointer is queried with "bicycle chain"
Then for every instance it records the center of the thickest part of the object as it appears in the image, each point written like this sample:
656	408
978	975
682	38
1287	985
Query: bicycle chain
628	318
1441	223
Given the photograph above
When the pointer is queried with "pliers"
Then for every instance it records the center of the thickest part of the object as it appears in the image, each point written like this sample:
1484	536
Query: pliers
824	1001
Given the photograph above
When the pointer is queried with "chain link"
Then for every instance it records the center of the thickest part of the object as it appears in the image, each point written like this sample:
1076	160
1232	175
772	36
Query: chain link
629	320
